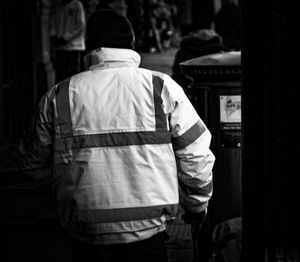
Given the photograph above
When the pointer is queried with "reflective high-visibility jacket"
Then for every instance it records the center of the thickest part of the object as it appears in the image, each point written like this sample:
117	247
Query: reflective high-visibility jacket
124	143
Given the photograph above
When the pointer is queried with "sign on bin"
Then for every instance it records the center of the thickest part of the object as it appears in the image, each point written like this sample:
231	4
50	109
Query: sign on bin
230	121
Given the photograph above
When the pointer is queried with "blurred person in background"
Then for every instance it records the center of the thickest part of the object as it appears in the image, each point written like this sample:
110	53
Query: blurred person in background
195	15
198	43
228	24
67	36
90	7
136	16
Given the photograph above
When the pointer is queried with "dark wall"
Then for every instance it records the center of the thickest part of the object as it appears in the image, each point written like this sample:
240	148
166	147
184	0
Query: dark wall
271	114
17	66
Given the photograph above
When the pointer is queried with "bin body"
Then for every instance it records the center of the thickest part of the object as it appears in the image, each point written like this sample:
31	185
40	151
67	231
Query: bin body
215	92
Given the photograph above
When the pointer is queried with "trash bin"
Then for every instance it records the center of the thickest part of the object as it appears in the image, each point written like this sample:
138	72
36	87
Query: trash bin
215	92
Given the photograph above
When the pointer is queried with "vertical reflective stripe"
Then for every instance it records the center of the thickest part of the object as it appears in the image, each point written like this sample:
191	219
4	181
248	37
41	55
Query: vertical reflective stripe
63	109
160	118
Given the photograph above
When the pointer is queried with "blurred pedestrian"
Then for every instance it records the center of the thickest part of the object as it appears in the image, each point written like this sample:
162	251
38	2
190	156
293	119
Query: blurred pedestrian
89	6
67	36
185	16
198	43
228	24
135	14
195	15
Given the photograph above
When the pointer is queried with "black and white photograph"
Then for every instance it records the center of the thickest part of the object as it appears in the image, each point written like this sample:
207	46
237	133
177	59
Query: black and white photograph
149	131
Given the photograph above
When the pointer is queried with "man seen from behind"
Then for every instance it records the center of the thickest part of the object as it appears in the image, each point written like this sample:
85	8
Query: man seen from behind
125	146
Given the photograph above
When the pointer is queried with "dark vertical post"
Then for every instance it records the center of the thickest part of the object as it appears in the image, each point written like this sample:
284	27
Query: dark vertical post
1	78
18	67
271	114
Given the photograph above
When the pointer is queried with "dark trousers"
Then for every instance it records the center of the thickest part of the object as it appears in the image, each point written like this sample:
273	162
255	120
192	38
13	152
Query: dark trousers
150	250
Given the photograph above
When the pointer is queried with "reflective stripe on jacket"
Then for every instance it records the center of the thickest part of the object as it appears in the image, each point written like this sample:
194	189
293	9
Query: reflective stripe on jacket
122	137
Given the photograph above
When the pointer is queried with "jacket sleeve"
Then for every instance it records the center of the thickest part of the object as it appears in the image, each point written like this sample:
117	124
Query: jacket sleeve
35	149
29	160
191	142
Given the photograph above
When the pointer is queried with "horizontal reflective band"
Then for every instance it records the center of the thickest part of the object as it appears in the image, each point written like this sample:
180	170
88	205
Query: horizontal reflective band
188	137
112	139
160	117
63	108
121	214
204	191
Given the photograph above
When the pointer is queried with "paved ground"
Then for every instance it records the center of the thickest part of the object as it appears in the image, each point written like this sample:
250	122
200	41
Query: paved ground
162	61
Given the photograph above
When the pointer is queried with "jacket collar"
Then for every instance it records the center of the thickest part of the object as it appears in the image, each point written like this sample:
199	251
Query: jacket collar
105	57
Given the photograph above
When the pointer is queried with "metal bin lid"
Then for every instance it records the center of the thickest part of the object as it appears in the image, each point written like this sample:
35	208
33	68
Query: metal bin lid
219	66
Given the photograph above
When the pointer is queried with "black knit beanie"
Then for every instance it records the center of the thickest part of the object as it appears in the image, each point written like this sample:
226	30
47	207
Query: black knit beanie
106	28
